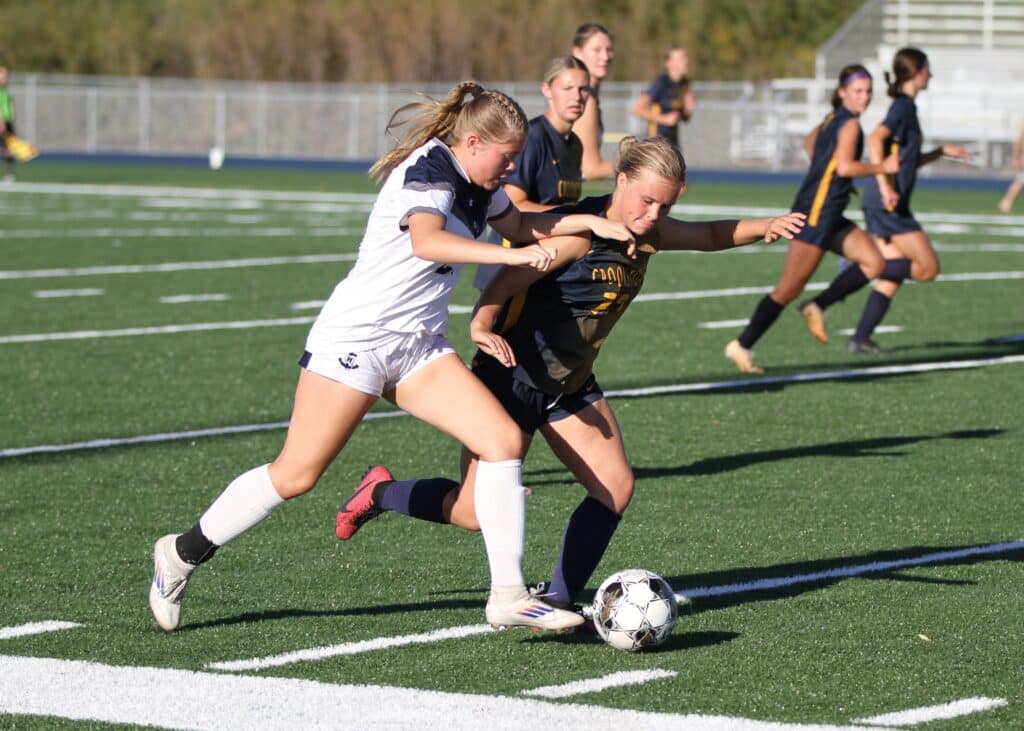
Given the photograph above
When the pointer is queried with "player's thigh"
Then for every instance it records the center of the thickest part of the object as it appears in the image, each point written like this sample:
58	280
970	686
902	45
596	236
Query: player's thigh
446	395
859	247
917	247
802	259
589	443
324	415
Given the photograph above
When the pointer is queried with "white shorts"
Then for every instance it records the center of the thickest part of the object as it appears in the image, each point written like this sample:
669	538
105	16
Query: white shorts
376	368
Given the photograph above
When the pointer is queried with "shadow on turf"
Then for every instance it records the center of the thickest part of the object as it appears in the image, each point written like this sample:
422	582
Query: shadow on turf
675	641
876	447
801	568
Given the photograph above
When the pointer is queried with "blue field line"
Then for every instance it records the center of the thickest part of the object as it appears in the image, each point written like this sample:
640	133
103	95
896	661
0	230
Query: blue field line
620	393
730	176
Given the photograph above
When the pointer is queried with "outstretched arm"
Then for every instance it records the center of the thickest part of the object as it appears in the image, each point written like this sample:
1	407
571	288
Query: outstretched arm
430	241
679	235
521	226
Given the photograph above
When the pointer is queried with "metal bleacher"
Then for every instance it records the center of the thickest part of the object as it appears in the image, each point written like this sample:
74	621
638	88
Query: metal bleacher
976	52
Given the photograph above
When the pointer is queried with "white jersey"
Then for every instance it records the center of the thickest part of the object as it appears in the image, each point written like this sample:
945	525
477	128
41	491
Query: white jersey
390	290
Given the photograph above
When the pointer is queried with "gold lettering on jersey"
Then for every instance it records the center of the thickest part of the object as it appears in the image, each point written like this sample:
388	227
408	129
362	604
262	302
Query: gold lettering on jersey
570	190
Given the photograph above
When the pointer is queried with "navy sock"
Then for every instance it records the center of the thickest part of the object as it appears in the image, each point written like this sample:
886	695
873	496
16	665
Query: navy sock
896	270
874	310
587	535
423	499
766	313
846	283
195	548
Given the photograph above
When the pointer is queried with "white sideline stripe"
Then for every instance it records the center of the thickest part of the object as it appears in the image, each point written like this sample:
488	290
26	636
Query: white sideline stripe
181	266
156	330
167	437
177	299
819	376
622	393
350	648
147	191
615	680
846	571
199	701
953	709
35	628
56	293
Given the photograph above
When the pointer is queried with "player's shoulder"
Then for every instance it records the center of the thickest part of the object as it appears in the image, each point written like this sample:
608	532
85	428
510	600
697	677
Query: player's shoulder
430	166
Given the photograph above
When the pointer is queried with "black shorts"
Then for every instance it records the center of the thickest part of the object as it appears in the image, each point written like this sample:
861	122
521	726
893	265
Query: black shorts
527	406
829	233
886	224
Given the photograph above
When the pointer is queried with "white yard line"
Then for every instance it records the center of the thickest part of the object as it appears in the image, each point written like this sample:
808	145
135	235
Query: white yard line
180	266
621	393
176	232
843	572
198	701
927	714
596	685
157	330
35	628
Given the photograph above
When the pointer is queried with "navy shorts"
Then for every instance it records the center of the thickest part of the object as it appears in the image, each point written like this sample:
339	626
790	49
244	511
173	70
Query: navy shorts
829	233
527	406
886	224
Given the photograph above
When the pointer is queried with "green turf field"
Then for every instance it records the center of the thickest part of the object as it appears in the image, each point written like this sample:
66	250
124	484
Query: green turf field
848	526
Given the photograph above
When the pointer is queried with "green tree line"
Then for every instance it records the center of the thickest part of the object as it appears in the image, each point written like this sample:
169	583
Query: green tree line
407	40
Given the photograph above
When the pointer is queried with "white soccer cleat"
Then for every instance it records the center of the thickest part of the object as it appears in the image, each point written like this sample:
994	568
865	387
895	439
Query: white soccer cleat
170	577
517	608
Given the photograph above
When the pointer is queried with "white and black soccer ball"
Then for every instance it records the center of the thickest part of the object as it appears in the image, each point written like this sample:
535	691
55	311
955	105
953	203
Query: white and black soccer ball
635	610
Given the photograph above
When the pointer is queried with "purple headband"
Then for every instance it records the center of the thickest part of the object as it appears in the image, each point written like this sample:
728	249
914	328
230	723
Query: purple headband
856	75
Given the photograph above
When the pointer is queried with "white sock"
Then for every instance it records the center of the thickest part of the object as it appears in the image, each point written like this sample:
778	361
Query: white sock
245	502
500	502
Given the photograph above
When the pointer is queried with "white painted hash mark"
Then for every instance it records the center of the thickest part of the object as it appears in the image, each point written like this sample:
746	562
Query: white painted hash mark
177	299
954	709
57	293
35	628
595	685
350	648
185	699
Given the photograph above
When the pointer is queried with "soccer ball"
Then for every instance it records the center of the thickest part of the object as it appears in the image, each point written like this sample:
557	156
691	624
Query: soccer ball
635	610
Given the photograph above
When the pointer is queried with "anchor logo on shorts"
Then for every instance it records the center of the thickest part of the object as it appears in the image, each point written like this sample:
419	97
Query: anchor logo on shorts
349	361
443	269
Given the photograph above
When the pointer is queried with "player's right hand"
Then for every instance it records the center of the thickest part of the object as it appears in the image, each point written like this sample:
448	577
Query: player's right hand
533	256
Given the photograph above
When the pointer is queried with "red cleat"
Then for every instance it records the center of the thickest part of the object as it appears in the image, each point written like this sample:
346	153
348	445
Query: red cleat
360	508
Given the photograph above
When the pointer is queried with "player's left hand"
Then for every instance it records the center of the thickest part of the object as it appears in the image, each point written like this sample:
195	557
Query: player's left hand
615	230
957	151
494	345
786	226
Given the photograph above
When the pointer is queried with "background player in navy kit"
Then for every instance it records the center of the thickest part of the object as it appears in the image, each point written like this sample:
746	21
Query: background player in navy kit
669	101
383	331
539	338
594	45
548	172
835	147
906	247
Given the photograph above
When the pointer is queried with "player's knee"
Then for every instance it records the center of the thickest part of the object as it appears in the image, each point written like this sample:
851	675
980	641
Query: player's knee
926	271
784	295
503	444
291	483
873	268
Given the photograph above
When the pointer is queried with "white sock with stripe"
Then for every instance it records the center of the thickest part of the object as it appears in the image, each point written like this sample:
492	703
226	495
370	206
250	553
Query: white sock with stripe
249	499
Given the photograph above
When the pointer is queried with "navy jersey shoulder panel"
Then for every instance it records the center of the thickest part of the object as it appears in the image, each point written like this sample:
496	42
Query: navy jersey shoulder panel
436	171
